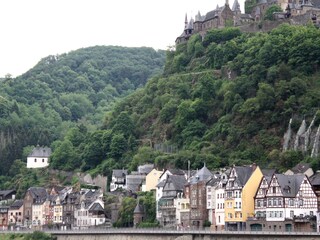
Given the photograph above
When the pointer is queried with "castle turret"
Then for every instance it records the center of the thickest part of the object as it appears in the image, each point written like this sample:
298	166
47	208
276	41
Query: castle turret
186	22
236	7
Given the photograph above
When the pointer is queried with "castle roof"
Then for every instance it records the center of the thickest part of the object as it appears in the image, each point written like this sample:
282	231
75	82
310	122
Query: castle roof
212	14
236	6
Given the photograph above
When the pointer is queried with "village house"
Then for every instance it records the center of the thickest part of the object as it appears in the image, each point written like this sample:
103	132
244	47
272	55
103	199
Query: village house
4	217
182	204
34	195
241	187
198	199
301	168
16	214
172	188
290	204
118	180
152	179
39	157
161	182
315	182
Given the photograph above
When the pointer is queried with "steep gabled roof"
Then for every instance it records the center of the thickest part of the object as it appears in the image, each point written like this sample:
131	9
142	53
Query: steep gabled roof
289	184
5	193
243	174
16	204
202	175
301	168
175	183
119	173
39	194
213	181
138	209
315	179
96	207
38	151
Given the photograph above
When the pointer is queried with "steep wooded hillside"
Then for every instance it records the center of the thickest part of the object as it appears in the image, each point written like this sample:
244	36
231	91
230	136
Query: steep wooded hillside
67	90
239	116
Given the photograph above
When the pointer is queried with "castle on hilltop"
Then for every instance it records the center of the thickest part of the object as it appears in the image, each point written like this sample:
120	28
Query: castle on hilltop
296	12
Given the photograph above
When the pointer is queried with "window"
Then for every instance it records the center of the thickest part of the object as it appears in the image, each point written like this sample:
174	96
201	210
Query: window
219	219
275	202
35	160
290	202
291	213
300	202
42	160
274	189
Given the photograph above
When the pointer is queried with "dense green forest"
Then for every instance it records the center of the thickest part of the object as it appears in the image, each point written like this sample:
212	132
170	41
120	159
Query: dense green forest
211	118
68	93
225	99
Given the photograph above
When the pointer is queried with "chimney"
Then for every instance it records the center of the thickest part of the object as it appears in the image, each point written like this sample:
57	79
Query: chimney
253	166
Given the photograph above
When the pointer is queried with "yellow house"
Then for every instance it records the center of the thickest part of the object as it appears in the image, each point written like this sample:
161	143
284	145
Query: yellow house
152	179
240	190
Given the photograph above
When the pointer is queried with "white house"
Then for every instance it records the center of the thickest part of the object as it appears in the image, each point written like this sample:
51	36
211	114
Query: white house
39	157
89	214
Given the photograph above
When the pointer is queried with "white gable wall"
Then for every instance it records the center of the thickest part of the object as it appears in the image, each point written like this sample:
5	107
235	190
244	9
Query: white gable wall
37	162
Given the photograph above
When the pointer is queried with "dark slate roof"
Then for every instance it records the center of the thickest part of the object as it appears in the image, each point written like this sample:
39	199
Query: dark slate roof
289	184
138	209
176	171
119	173
96	207
243	173
202	175
145	169
39	194
16	204
40	152
162	183
211	15
268	172
301	168
213	181
236	6
315	179
175	183
5	193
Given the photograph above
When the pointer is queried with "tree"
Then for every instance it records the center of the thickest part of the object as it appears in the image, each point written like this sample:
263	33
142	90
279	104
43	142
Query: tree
126	212
270	11
118	146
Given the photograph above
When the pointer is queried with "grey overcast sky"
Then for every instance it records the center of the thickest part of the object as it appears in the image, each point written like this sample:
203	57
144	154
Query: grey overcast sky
33	29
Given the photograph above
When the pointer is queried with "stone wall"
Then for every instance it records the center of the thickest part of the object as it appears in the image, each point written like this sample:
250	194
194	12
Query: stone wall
176	235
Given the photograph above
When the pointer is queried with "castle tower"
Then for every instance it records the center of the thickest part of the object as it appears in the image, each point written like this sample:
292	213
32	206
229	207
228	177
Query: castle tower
186	22
236	7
